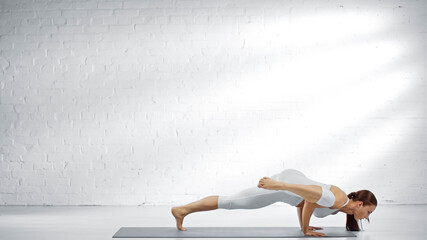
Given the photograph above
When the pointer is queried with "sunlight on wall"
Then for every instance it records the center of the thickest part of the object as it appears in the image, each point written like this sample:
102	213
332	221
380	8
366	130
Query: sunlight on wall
336	79
371	147
312	74
331	27
309	29
294	92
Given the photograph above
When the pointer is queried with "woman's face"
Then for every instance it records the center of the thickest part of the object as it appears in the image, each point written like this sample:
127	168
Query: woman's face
363	212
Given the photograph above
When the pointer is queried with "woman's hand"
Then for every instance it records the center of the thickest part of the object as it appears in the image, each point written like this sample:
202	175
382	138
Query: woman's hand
314	234
314	228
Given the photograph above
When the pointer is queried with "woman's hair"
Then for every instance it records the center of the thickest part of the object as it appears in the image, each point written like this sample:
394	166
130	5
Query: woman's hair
365	196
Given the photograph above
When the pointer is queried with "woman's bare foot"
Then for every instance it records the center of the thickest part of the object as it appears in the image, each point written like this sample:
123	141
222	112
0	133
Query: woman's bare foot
269	183
179	215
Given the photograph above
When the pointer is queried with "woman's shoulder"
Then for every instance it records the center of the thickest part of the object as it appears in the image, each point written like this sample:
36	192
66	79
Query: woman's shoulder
340	197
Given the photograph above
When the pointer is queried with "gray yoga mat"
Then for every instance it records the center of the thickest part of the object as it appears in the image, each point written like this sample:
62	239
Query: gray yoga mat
225	232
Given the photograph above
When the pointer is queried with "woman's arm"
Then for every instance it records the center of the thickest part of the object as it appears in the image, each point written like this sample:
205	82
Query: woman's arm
299	210
306	215
310	193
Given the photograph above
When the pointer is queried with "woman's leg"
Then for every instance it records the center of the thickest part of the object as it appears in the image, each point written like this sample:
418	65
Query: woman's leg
310	193
205	204
251	198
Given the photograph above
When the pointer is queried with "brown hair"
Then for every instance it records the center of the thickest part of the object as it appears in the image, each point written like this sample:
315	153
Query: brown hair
365	196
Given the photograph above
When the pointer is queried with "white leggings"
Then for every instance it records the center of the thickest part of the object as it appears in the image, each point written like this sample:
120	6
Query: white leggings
255	197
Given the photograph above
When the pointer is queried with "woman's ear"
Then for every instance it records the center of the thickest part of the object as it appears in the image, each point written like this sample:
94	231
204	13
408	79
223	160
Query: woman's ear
359	204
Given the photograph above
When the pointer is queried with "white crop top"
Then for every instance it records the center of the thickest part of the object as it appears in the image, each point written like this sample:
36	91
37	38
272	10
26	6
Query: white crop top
323	212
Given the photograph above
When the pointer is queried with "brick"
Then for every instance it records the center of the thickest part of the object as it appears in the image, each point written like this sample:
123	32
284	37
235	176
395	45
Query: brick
99	13
126	12
23	14
117	29
148	4
48	14
109	5
59	5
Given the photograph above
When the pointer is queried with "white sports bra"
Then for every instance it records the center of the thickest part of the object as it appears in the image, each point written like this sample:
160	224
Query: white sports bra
323	212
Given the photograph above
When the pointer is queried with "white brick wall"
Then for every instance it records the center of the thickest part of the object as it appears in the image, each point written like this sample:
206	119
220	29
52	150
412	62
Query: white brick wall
165	102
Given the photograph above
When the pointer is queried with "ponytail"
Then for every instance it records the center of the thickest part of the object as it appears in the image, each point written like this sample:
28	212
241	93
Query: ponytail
364	196
351	195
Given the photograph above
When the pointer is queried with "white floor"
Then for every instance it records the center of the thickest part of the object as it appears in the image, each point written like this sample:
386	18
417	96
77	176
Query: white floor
387	222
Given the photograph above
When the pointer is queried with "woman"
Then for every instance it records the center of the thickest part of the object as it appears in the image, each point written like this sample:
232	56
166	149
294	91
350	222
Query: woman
292	187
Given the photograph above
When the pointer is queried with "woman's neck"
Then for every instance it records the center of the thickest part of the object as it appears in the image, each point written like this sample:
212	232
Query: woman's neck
349	208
